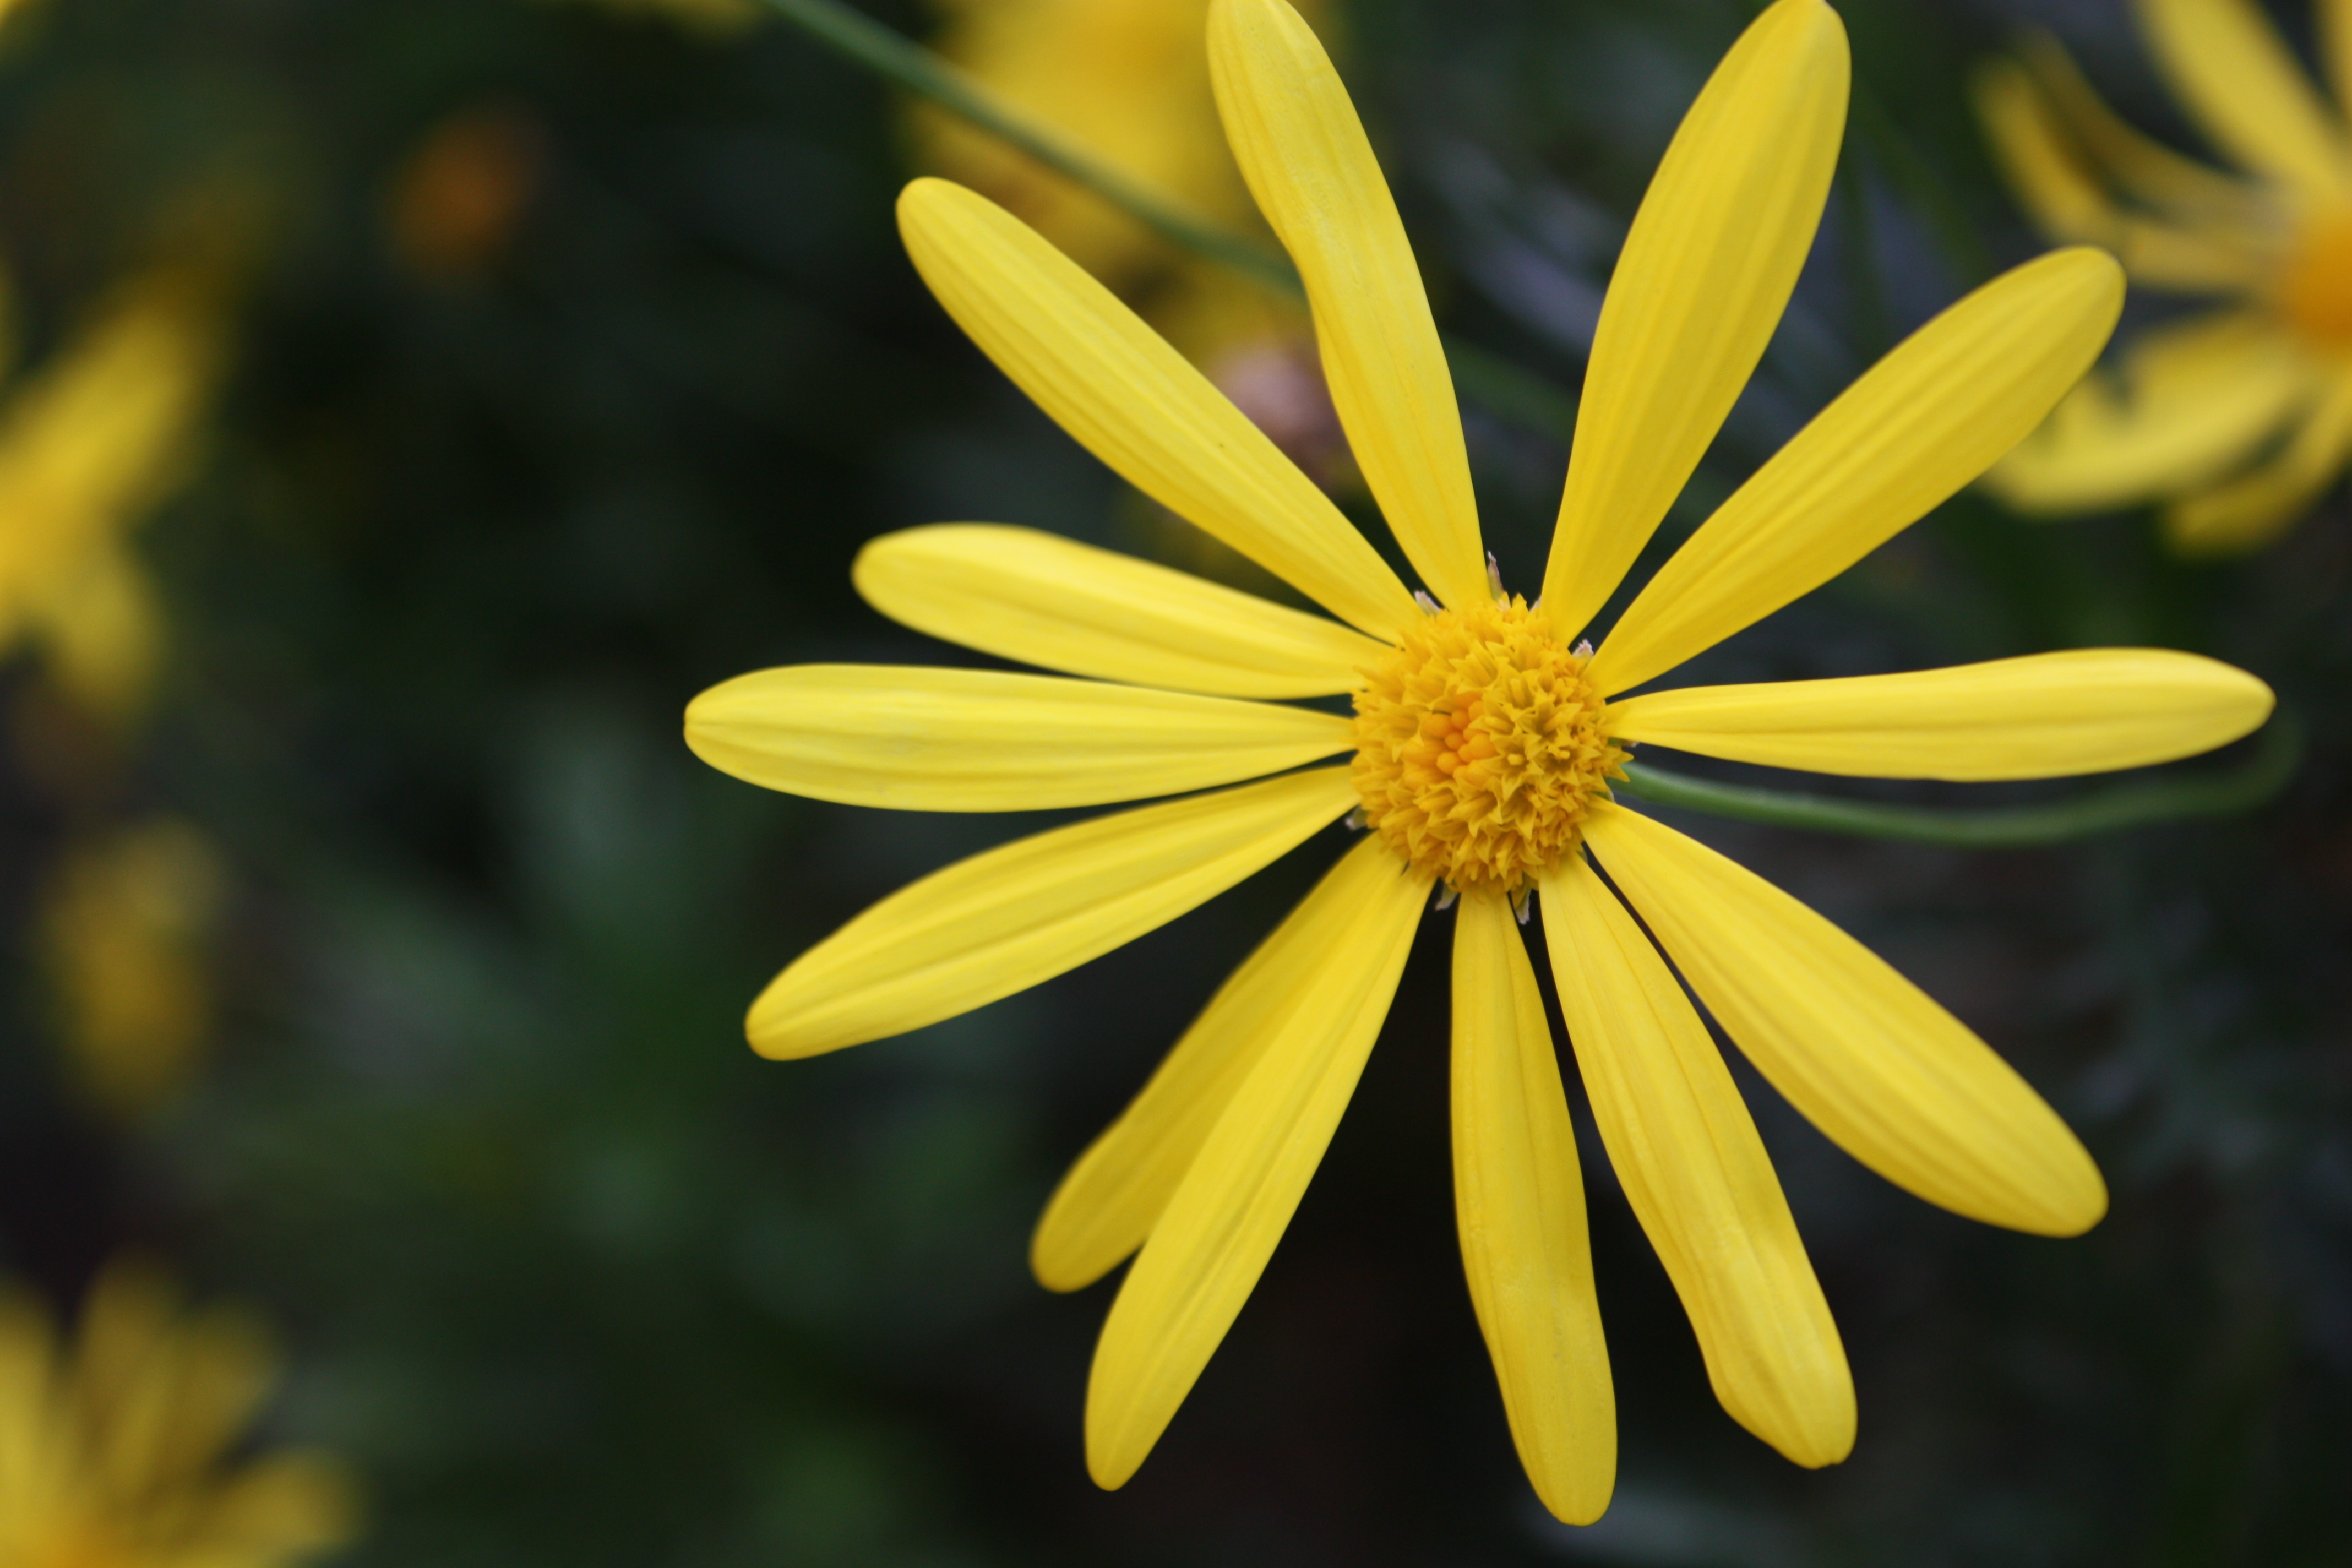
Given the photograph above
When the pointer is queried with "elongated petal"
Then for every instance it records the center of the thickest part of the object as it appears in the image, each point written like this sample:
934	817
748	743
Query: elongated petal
2233	71
1892	1079
2258	506
1010	917
2336	49
1921	423
2195	399
1704	277
1304	153
1048	601
1112	1197
2183	189
1132	401
920	739
1218	1230
1697	1176
2068	196
1519	1199
2050	715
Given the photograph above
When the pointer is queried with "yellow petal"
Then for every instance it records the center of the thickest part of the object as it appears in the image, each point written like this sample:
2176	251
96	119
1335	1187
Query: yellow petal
2232	70
1049	601
1921	423
1010	917
2194	399
1697	1176
920	739
1704	274
2258	506
1112	1197
1132	401
2336	48
1304	153
2050	715
1221	1226
1520	1200
1892	1079
2048	168
2182	188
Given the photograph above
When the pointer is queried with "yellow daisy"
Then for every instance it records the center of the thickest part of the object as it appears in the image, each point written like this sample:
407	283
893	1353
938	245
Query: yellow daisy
1483	736
115	1451
2238	417
90	443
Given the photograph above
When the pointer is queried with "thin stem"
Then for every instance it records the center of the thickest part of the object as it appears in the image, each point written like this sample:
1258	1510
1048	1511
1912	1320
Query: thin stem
919	70
2112	810
1520	395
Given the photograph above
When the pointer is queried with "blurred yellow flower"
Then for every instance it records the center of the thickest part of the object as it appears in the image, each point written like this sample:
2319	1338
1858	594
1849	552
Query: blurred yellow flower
2236	418
1483	739
127	1449
88	442
126	925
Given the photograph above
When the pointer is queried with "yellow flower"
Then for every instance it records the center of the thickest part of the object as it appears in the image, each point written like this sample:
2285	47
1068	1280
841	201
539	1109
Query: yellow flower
115	1451
89	442
126	924
1480	745
2238	417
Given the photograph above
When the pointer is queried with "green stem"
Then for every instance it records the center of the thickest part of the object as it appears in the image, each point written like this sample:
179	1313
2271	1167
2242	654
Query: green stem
1517	395
2112	810
919	70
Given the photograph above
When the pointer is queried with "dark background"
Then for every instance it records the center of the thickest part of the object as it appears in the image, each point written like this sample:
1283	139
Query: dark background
567	1275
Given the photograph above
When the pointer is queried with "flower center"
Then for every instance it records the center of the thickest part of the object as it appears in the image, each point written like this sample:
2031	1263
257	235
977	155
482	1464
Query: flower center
1480	746
2315	290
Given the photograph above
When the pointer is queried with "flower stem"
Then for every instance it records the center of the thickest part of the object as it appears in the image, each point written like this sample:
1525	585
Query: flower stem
2111	810
1517	395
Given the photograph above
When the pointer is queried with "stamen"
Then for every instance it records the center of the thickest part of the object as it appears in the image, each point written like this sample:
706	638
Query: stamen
1481	746
1446	897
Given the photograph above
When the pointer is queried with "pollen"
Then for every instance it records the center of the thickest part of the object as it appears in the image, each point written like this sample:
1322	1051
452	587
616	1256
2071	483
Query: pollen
1481	745
2314	291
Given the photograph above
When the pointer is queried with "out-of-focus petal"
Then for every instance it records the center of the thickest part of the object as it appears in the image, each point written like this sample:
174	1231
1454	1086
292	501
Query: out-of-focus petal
1683	1146
2258	506
2067	197
1053	602
1112	1197
2234	73
2336	49
1214	1239
2194	400
2185	190
1921	423
1132	401
1892	1079
2049	715
1303	151
1705	271
1006	918
1518	1198
921	738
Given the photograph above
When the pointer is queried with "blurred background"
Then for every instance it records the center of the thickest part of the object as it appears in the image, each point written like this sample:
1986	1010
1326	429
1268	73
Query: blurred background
411	404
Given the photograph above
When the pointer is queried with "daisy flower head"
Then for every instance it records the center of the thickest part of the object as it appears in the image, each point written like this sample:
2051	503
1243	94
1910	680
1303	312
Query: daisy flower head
128	1445
1478	757
2235	417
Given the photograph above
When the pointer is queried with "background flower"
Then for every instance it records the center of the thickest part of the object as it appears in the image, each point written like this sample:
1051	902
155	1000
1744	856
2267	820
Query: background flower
2236	420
